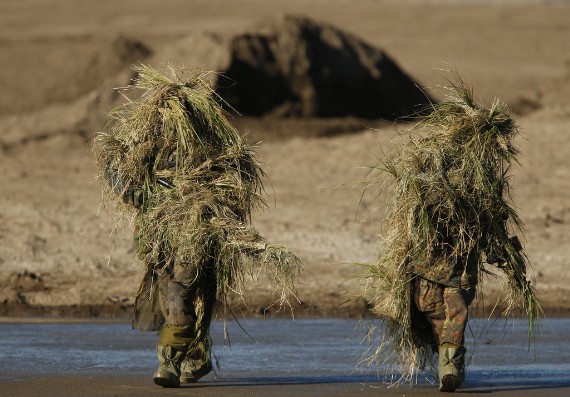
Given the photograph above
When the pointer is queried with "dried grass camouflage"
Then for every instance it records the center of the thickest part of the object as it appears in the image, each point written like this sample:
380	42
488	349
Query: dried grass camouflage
176	132
450	202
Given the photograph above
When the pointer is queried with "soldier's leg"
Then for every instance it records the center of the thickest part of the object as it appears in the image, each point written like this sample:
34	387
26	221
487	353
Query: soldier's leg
452	350
177	334
453	329
197	362
428	297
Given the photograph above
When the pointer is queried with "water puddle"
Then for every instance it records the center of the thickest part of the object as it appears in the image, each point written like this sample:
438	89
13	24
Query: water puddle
276	349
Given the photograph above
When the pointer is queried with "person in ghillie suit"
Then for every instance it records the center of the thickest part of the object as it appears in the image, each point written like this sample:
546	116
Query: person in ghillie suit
173	162
449	218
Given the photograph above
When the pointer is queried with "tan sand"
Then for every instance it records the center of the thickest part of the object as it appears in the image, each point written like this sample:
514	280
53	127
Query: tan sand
55	243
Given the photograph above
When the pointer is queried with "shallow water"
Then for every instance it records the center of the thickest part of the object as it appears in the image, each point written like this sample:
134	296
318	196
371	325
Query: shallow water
278	349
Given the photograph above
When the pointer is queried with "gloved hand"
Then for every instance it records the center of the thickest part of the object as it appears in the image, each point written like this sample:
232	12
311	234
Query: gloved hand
136	197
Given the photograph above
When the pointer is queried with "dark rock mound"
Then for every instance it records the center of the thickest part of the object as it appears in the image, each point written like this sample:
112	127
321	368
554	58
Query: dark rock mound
293	66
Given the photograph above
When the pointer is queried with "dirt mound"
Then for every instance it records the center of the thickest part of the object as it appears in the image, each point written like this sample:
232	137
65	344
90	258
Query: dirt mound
295	66
69	68
204	51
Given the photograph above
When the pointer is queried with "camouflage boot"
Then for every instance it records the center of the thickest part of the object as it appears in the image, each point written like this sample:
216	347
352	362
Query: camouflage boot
451	366
168	372
196	363
193	369
172	346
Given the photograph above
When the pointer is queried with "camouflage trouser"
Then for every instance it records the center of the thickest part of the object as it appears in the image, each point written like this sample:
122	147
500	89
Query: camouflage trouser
190	304
445	308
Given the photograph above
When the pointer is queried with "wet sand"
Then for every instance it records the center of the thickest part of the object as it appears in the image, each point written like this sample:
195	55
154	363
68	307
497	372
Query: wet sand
276	357
272	387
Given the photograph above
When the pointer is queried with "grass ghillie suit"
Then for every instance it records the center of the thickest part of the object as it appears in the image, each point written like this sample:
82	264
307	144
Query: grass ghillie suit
450	214
191	183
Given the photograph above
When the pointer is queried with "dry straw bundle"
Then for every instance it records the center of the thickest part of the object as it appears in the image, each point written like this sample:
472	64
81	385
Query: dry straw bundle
198	183
450	202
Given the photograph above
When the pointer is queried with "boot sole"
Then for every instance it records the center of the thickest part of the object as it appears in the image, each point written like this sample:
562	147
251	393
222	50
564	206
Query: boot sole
449	383
193	378
164	382
188	380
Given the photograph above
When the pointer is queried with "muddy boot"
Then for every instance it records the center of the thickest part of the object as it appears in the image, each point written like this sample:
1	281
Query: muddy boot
451	367
172	346
168	372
